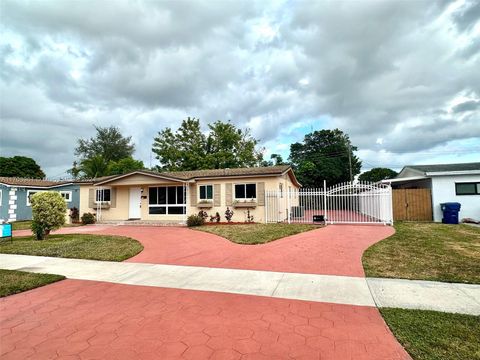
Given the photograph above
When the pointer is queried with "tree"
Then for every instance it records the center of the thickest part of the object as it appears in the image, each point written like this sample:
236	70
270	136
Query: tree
183	150
377	174
324	155
108	153
275	160
108	143
93	167
75	170
20	166
124	166
229	147
224	146
48	213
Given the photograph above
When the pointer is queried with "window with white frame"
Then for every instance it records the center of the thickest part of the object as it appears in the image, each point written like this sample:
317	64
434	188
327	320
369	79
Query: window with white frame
30	193
103	196
166	200
245	191
205	192
66	195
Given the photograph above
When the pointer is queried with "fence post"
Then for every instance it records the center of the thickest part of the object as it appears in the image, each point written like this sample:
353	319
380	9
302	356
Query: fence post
266	206
325	199
288	205
390	202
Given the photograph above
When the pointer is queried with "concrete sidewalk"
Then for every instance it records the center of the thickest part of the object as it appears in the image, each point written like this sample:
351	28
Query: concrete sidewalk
460	298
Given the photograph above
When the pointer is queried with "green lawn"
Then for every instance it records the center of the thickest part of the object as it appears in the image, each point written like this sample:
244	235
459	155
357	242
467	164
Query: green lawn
432	335
256	233
26	225
13	282
21	225
427	251
78	246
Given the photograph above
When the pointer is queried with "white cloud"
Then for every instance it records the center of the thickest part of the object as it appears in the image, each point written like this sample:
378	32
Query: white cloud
278	67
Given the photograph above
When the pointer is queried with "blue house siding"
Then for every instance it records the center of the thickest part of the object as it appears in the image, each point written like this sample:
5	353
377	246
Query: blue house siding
24	211
4	204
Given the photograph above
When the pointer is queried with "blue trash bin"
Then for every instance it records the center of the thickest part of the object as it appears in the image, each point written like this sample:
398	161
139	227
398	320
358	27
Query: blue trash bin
450	212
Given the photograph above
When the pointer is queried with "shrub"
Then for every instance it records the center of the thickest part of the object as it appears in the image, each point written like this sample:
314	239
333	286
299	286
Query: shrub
195	220
88	218
215	218
48	213
203	214
74	215
228	214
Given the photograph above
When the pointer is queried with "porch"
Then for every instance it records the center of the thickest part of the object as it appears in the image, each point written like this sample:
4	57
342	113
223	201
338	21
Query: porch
140	200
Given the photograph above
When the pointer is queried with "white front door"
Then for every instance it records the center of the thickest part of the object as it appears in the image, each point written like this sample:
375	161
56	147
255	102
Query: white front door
134	211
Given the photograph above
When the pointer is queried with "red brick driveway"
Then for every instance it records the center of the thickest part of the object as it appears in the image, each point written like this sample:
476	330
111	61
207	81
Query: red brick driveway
94	320
333	250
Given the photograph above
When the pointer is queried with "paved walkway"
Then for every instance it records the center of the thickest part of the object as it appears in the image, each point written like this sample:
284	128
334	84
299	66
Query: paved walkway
76	319
96	319
333	250
427	295
326	288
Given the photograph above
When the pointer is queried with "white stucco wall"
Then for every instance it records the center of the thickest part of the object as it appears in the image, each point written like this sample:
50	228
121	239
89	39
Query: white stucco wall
443	190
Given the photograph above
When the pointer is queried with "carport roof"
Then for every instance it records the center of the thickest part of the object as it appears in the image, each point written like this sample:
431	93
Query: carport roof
445	167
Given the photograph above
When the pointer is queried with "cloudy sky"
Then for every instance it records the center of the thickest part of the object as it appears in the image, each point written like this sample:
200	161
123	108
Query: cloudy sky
402	78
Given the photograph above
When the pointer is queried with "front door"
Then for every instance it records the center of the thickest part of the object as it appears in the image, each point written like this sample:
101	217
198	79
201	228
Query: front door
134	211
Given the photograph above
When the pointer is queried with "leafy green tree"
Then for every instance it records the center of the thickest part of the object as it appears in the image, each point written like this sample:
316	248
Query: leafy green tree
229	147
377	174
275	160
20	166
324	155
94	167
75	170
183	150
124	166
224	146
108	143
48	213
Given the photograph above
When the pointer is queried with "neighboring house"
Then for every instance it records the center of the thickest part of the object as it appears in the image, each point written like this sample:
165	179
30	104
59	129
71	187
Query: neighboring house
172	196
15	195
447	183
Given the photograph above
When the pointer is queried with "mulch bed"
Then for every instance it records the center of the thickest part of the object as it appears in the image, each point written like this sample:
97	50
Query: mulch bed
228	223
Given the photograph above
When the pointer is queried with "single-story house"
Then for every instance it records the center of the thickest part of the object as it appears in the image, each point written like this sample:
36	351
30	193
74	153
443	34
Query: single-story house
15	195
172	196
448	183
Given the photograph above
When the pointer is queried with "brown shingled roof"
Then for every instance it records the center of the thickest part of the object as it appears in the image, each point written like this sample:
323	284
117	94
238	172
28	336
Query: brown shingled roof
24	182
195	174
213	173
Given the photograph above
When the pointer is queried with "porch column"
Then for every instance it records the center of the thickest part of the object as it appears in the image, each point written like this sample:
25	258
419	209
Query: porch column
186	193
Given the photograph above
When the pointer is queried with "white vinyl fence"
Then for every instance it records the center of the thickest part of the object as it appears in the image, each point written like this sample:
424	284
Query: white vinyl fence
345	203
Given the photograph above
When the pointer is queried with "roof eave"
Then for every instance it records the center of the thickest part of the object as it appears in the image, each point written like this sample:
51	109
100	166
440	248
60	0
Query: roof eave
459	172
159	176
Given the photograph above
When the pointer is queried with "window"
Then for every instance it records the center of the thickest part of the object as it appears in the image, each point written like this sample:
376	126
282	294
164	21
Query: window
467	188
245	191
67	195
166	200
206	192
102	195
30	194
